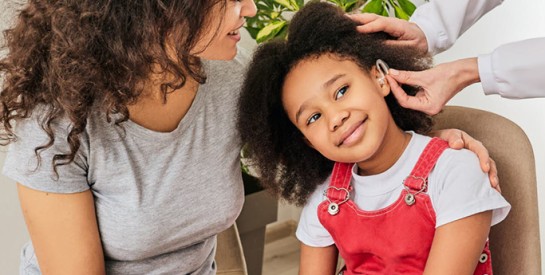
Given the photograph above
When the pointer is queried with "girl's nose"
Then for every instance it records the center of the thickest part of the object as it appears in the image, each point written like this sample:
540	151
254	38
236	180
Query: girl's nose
337	119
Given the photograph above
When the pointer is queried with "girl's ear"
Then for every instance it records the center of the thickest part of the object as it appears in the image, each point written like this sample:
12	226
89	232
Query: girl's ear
381	81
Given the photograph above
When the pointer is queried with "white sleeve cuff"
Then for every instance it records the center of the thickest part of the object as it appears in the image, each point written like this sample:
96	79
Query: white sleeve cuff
489	84
306	239
499	207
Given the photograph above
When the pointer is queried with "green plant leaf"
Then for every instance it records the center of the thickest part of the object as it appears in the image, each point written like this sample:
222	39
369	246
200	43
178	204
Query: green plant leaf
297	4
407	6
264	5
287	4
283	33
270	31
374	6
252	31
400	13
270	22
349	5
336	2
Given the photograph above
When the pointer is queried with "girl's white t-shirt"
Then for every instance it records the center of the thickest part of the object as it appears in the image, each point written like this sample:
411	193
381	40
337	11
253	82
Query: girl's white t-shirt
457	188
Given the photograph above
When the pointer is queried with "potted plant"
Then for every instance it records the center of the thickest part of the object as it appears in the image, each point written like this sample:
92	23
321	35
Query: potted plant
272	18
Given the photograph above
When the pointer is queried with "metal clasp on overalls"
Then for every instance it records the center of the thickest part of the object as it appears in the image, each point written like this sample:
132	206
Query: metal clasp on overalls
333	208
410	198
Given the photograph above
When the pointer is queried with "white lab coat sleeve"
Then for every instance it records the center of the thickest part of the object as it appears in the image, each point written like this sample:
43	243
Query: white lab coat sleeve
514	70
443	21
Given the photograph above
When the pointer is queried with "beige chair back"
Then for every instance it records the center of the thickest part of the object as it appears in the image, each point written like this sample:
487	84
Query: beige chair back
515	242
229	255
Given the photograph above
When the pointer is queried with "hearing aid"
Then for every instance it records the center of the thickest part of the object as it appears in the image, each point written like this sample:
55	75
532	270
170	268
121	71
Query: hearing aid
382	67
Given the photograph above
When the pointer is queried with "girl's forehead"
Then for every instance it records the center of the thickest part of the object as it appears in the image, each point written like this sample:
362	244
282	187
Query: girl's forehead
326	63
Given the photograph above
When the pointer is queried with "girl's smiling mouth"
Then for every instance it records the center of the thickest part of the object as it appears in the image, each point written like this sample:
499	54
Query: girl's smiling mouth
353	133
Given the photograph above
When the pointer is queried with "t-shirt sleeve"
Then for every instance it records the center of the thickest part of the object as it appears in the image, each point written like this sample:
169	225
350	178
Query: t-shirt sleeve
459	188
309	230
23	166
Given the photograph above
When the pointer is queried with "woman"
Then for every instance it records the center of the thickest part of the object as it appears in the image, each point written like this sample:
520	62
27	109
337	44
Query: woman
137	171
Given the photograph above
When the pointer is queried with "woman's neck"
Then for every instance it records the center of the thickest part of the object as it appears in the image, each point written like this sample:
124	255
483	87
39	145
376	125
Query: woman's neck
392	147
154	113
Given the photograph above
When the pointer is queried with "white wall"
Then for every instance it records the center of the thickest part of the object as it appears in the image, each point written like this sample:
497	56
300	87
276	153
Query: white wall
13	233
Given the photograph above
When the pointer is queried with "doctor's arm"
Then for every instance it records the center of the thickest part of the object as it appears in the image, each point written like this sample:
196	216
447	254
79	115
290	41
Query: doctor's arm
512	70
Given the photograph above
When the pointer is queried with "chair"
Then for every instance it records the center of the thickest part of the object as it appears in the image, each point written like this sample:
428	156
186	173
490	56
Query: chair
241	247
229	255
515	242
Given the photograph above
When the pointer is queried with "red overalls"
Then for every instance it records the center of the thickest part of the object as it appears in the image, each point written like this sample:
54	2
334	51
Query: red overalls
393	240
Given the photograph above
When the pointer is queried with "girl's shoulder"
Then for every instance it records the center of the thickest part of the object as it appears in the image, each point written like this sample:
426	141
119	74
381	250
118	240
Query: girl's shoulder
458	188
318	195
449	159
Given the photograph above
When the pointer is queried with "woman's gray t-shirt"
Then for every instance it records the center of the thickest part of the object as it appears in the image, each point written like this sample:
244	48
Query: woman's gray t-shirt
160	198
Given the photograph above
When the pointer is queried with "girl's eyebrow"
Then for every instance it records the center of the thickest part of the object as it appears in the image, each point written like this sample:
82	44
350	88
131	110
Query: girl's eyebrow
325	86
332	80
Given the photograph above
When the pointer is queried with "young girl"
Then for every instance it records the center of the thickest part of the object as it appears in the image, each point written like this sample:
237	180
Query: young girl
396	202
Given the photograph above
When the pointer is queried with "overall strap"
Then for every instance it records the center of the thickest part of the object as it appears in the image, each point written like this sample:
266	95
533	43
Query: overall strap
339	186
418	178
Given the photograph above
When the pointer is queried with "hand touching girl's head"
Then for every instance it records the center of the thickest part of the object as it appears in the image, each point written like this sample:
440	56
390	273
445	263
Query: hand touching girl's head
319	94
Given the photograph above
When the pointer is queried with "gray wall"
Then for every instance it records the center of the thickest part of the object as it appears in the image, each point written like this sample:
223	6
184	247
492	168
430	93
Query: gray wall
13	232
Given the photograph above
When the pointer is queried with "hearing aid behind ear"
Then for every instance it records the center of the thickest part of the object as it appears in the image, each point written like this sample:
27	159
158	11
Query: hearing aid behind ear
382	67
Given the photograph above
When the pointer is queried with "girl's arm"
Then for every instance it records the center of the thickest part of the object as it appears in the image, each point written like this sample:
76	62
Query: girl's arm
64	231
318	260
457	245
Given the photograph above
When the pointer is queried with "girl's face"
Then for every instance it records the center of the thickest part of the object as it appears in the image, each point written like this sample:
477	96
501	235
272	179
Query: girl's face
339	108
221	37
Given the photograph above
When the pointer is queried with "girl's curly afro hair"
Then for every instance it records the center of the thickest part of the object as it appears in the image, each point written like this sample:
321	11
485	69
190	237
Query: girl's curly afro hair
286	165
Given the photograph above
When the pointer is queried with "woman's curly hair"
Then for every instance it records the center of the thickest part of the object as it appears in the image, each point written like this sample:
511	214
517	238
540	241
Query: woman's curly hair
79	56
286	165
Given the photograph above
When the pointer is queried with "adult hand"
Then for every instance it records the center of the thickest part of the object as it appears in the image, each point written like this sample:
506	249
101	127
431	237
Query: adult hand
458	139
405	32
437	85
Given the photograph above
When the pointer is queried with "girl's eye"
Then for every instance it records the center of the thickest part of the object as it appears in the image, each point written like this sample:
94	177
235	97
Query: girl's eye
340	93
313	118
